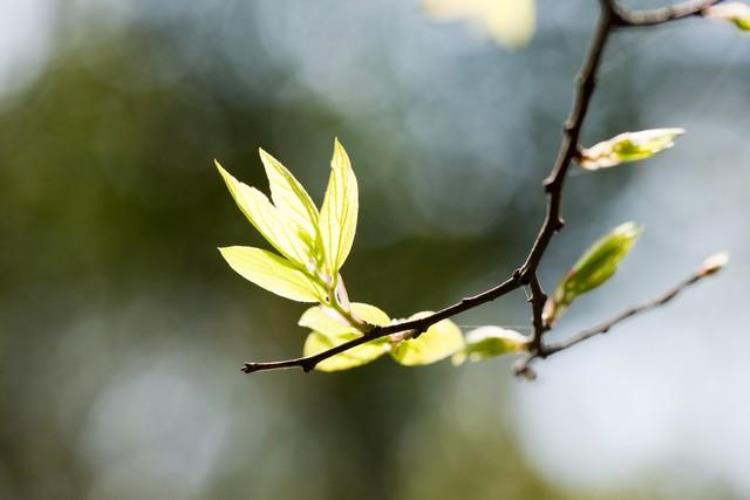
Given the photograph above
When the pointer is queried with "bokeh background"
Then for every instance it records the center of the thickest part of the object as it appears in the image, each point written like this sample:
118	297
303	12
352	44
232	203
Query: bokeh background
122	331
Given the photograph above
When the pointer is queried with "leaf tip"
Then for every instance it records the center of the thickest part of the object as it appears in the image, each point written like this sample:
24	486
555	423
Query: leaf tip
630	229
338	151
228	178
218	166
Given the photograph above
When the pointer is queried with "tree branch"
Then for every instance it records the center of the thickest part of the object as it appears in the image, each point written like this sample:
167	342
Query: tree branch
417	325
611	17
538	299
555	182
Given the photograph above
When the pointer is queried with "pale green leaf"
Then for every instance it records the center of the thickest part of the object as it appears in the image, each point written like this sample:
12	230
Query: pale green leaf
327	320
595	266
441	340
290	197
489	341
286	237
338	216
628	147
734	12
318	342
370	314
509	22
272	272
330	329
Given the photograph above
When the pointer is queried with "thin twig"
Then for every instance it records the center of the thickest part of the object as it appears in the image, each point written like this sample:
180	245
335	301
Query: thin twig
653	17
610	18
606	326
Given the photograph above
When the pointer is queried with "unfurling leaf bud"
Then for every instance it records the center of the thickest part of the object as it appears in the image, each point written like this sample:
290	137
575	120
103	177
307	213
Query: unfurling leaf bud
734	12
595	266
628	147
714	264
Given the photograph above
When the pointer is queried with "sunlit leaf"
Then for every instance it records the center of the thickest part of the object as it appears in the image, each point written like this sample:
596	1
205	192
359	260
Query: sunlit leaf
488	342
734	12
628	147
290	197
272	272
330	329
509	22
327	320
370	314
338	216
317	342
439	341
596	266
269	221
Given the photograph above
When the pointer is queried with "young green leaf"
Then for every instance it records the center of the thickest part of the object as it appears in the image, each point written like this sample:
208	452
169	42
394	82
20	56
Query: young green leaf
489	341
439	341
269	221
290	197
596	266
329	321
330	329
628	147
272	272
318	342
734	12
338	216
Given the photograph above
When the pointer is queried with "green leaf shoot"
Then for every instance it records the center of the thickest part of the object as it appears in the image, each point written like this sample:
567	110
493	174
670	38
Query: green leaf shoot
315	243
595	266
628	147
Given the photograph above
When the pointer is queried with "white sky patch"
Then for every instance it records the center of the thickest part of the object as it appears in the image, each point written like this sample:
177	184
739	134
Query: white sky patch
26	29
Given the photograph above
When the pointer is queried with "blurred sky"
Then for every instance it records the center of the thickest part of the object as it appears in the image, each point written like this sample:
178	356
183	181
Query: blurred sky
122	331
